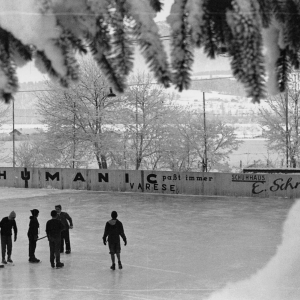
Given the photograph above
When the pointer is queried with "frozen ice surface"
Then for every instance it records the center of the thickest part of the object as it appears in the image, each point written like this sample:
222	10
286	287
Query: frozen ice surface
179	247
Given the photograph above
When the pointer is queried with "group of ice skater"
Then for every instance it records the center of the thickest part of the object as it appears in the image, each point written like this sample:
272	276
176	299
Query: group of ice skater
57	232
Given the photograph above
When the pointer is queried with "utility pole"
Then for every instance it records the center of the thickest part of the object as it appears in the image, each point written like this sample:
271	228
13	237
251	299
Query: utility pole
124	152
205	137
137	131
287	127
14	149
74	135
294	165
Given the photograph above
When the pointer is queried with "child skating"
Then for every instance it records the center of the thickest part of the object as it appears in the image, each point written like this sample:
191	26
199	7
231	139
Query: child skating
6	225
32	234
113	230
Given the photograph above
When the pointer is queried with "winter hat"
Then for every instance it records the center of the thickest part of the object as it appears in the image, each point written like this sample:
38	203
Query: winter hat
12	215
114	214
35	212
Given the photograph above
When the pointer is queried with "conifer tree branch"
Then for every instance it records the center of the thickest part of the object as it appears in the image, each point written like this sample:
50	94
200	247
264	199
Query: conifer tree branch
101	50
265	9
122	46
146	32
157	5
246	50
283	68
8	77
182	51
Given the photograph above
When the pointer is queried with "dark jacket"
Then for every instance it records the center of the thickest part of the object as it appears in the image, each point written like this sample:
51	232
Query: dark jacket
113	230
64	218
33	230
54	228
7	225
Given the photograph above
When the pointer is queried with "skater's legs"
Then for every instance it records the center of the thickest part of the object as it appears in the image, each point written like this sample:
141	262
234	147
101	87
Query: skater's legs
62	241
67	239
119	260
112	258
57	248
9	246
32	247
3	246
52	248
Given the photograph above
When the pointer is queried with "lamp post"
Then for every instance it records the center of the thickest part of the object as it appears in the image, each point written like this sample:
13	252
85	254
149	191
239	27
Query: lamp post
111	94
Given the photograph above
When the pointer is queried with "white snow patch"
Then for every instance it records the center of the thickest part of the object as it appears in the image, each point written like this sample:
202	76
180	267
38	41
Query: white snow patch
279	279
195	16
175	14
245	6
26	22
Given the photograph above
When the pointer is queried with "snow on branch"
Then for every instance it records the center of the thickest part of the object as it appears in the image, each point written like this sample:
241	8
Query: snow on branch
261	38
148	38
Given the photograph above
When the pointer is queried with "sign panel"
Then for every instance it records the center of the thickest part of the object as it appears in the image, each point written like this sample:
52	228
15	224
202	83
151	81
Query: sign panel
189	183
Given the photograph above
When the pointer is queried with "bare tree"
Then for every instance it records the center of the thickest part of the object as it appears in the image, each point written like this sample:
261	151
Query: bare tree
279	116
40	152
5	118
79	119
26	155
188	142
146	111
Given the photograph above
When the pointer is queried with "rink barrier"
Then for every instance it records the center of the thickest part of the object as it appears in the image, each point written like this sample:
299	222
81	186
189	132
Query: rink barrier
188	183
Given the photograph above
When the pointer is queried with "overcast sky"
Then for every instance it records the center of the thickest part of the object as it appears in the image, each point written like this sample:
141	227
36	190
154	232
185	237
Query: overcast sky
166	10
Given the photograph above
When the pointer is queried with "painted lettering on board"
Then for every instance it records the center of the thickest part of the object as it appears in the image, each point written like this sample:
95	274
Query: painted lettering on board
154	182
278	184
179	177
3	175
155	186
48	176
25	175
248	178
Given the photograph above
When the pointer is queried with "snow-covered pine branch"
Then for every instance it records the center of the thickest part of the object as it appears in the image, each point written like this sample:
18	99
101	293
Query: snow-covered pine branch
51	32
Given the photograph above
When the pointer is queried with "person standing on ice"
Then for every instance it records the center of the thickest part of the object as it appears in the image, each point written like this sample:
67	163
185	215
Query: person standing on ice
65	235
113	230
54	228
6	225
32	234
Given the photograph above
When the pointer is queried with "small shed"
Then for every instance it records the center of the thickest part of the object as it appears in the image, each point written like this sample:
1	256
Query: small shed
15	132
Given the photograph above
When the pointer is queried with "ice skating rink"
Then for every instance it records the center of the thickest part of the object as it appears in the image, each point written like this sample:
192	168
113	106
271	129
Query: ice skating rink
179	247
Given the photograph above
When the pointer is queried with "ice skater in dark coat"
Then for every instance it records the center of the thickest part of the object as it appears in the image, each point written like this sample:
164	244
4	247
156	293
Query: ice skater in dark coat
65	234
32	234
54	228
113	230
6	225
